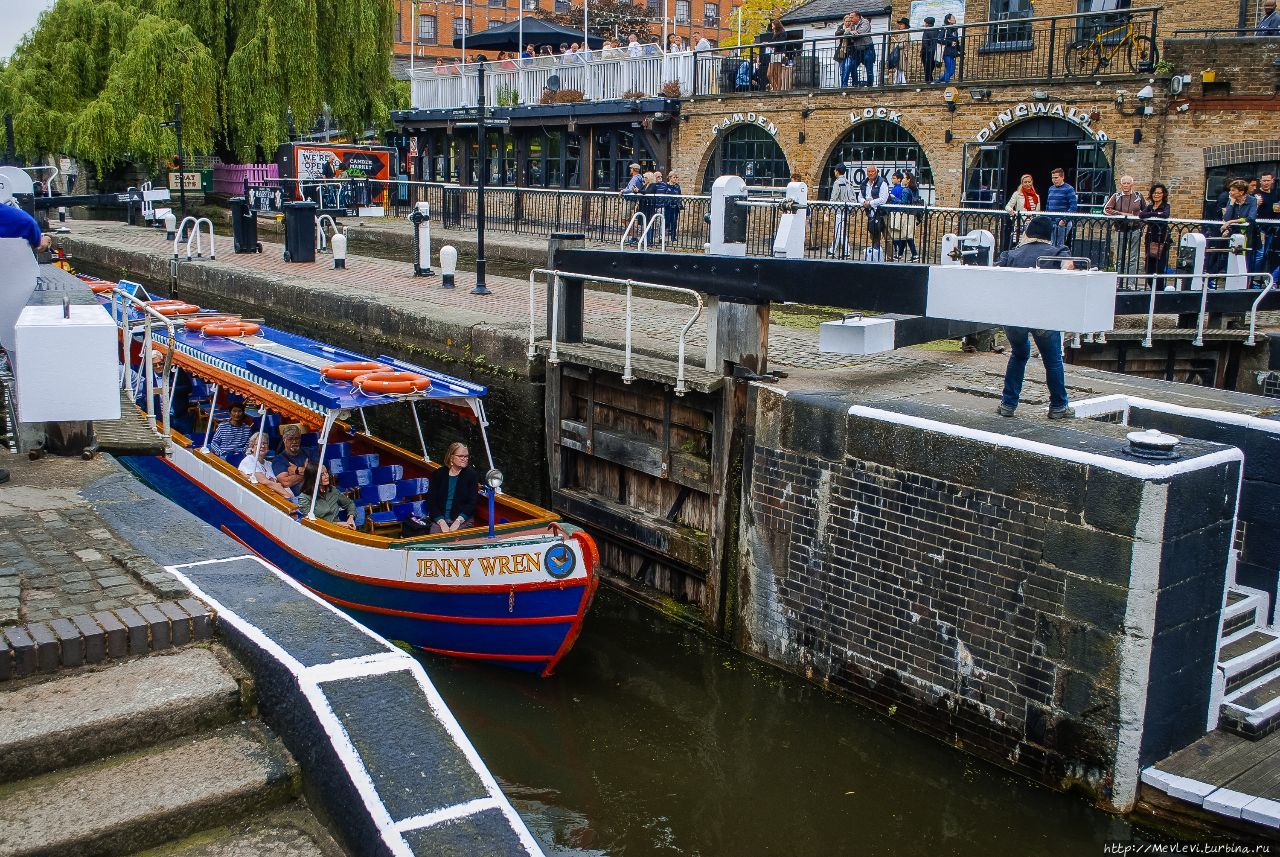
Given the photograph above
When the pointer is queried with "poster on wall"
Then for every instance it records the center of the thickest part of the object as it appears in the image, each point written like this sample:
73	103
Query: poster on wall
334	174
937	10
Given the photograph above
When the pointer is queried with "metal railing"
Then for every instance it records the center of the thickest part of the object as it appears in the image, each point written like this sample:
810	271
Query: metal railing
553	281
1007	49
120	313
832	229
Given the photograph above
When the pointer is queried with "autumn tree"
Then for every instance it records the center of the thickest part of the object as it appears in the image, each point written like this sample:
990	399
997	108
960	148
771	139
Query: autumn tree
96	78
755	17
606	17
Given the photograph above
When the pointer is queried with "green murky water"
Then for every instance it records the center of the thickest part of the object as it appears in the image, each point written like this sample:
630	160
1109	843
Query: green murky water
652	739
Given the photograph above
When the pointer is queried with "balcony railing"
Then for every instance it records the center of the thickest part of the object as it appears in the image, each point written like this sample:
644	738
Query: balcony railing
1046	49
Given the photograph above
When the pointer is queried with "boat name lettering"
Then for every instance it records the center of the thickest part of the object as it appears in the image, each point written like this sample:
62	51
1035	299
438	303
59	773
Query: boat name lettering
491	566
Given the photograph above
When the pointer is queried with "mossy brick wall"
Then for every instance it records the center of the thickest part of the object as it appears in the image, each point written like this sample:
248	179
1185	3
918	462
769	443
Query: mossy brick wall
1007	601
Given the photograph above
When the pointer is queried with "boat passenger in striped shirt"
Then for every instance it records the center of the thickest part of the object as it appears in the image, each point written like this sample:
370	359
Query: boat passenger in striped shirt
232	435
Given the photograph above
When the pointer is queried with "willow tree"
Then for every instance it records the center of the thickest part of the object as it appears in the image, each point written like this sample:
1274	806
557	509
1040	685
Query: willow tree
96	78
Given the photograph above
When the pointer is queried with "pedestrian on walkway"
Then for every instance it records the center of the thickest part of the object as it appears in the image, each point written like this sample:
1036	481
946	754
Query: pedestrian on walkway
864	51
1240	212
1035	245
950	47
899	42
930	49
1061	200
875	193
1270	23
845	53
1124	207
841	193
902	223
1268	209
674	204
1155	214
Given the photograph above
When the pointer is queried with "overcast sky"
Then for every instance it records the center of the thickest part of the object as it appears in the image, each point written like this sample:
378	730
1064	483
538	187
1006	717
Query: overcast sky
18	16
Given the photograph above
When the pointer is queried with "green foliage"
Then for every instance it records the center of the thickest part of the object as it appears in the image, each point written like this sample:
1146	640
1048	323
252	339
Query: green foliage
97	77
755	16
605	16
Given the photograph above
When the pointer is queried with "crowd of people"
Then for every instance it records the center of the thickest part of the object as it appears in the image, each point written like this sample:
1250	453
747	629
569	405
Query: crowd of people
636	46
655	196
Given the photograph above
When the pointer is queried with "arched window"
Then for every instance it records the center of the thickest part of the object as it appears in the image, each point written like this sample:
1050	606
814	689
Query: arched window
885	144
751	152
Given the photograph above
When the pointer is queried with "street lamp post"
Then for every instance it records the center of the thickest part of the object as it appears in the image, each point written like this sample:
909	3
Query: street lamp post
482	167
176	125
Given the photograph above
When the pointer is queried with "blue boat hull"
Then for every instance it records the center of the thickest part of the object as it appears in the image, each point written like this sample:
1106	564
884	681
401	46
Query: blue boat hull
522	627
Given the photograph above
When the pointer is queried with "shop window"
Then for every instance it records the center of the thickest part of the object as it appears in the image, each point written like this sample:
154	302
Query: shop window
885	144
399	28
1105	16
751	152
572	160
498	4
613	153
427	29
1217	178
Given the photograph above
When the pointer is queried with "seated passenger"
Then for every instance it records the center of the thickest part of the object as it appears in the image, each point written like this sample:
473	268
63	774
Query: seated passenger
329	502
256	470
290	460
451	492
232	435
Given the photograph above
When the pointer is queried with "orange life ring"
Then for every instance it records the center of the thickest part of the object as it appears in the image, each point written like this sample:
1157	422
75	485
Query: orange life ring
169	302
351	370
177	309
206	320
391	383
590	552
230	328
102	288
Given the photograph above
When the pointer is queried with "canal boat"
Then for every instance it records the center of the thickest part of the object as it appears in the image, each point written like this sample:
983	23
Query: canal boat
511	590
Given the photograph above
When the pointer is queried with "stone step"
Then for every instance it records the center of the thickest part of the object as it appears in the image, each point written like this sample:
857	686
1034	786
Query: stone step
1246	609
139	800
1249	657
94	713
1253	711
290	831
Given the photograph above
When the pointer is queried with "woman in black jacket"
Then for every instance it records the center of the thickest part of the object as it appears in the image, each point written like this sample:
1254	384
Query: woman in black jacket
1155	214
451	492
929	45
950	47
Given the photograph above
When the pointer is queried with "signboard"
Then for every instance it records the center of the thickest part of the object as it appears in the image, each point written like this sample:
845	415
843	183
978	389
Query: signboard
937	10
345	166
745	119
190	180
1036	109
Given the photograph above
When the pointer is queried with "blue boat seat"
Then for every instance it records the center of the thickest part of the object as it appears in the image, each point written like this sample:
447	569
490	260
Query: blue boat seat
388	473
310	440
407	489
349	480
404	510
338	466
377	495
337	450
360	462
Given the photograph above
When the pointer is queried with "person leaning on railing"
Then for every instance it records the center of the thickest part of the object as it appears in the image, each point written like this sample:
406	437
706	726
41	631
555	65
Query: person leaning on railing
1155	214
1270	24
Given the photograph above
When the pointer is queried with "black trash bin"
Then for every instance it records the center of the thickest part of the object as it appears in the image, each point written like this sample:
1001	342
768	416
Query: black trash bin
244	227
299	231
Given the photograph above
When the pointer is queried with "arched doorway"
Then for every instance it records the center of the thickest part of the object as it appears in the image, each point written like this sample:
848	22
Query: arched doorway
751	152
1037	146
887	145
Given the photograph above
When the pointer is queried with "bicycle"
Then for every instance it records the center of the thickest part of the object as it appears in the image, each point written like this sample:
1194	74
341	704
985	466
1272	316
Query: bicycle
1091	56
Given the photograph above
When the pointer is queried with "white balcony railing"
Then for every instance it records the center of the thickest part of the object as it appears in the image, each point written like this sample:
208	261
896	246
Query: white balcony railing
600	79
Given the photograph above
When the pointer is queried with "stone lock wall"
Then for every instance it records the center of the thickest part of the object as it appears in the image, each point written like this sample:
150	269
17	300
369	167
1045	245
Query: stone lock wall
1053	615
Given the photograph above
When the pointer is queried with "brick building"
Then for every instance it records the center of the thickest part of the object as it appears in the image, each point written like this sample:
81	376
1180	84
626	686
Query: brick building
1028	95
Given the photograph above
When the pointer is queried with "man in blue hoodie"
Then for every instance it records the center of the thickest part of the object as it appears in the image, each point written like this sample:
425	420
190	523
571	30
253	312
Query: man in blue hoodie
1061	199
16	223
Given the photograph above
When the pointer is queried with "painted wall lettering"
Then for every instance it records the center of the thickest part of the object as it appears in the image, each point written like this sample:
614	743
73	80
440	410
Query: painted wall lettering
1035	109
887	114
745	119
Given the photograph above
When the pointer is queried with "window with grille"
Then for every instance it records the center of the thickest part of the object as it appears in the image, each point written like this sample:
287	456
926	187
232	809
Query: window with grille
529	5
492	24
499	4
710	14
682	11
399	28
458	24
1007	27
427	29
751	152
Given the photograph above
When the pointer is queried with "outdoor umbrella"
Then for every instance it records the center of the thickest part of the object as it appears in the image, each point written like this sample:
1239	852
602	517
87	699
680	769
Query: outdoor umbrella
536	32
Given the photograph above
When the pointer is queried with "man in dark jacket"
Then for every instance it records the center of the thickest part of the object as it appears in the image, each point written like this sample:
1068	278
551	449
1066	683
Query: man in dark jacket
1034	246
930	43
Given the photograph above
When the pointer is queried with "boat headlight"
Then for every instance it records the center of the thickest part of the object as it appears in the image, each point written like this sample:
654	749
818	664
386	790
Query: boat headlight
493	479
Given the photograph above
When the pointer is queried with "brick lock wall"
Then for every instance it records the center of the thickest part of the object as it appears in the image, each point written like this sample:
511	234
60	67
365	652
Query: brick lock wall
981	593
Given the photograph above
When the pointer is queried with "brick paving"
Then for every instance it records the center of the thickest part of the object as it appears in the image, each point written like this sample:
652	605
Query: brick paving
655	323
58	558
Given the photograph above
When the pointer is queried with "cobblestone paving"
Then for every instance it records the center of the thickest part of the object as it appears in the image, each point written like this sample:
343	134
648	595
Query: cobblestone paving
655	323
58	558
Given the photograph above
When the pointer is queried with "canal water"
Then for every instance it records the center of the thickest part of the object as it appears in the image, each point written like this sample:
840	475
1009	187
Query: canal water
654	739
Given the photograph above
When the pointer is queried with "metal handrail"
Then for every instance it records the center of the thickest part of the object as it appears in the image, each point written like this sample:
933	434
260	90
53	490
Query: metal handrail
1204	299
553	282
145	362
662	238
639	215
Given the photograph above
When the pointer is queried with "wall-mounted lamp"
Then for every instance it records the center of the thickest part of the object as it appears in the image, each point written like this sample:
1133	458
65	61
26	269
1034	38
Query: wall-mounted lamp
979	94
1137	136
806	112
948	136
1040	94
801	137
